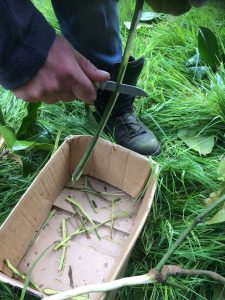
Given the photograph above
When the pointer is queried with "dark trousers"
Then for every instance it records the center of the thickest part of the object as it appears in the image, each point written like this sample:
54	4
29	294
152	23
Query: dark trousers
92	27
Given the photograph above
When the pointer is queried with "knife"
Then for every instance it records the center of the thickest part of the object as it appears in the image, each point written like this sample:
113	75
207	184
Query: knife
123	88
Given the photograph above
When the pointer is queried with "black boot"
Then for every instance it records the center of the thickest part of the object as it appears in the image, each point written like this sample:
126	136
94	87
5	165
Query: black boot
123	123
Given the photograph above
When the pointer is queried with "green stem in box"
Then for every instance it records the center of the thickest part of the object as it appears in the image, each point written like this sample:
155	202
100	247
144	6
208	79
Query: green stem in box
80	207
63	256
79	231
86	182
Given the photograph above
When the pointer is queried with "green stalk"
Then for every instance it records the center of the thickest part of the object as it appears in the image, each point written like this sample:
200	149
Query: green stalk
135	20
186	232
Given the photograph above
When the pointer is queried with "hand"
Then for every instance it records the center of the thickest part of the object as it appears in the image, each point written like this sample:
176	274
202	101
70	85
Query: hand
65	75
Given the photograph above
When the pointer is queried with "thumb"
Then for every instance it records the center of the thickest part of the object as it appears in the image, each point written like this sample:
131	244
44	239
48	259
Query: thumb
90	70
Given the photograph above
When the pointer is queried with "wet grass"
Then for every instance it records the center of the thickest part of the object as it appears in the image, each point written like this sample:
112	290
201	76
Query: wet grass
175	100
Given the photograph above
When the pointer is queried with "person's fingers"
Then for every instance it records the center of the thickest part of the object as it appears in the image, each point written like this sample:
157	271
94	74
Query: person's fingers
65	75
89	69
81	86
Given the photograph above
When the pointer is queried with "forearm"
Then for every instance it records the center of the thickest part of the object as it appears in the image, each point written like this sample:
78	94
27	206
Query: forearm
25	40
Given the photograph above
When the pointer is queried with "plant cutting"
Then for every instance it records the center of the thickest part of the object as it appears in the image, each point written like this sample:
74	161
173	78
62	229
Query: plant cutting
135	20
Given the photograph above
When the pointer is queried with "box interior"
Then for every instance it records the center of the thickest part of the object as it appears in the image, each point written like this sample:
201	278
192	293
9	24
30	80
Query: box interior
119	175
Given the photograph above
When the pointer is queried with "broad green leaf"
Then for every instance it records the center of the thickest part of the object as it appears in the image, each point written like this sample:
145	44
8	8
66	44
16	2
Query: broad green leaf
208	47
203	144
22	145
221	170
28	145
9	135
29	119
218	217
150	17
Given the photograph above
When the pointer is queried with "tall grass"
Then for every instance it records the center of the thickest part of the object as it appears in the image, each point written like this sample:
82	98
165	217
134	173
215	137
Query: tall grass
175	100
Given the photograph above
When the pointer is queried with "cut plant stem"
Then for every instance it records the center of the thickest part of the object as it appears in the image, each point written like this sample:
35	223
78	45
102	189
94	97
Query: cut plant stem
83	224
86	182
79	206
27	281
135	20
99	193
50	216
91	191
112	218
20	275
63	256
79	231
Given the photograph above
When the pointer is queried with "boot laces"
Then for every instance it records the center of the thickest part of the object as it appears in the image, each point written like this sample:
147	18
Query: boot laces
132	125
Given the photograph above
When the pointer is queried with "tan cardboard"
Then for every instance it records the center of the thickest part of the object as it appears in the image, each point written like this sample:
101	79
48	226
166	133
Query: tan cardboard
96	258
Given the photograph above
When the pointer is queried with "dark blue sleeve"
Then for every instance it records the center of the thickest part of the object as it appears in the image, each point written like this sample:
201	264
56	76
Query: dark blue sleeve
25	39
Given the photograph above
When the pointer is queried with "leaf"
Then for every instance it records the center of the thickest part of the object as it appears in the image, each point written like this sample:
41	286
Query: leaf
208	47
9	135
28	145
203	144
30	116
22	145
218	217
150	17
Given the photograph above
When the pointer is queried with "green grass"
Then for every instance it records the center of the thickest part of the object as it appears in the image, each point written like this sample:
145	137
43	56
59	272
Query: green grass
175	101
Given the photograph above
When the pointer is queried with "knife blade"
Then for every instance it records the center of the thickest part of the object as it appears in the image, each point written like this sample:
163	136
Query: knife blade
123	88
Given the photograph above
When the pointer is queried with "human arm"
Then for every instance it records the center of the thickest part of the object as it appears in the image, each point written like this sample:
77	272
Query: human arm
36	64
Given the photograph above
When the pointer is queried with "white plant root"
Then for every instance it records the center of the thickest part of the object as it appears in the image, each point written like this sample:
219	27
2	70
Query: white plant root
103	287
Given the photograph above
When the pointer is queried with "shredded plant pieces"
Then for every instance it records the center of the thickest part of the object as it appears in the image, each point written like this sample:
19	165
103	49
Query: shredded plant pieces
80	207
86	183
20	275
50	216
63	256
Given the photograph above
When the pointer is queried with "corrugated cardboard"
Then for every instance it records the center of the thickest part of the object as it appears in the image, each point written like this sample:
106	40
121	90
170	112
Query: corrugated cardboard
111	169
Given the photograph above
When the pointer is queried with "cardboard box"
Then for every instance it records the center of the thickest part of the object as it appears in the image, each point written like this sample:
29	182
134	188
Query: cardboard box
98	256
